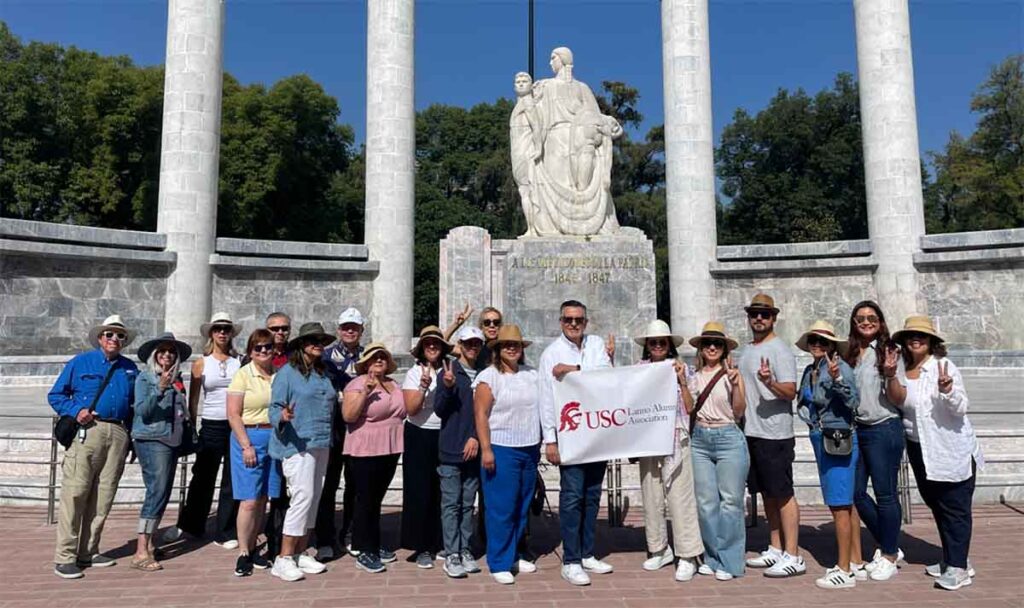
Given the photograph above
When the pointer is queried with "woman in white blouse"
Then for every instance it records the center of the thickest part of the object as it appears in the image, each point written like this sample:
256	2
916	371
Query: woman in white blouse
508	428
941	445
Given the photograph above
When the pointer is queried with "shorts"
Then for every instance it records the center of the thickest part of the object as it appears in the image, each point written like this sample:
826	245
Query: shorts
771	466
260	481
836	473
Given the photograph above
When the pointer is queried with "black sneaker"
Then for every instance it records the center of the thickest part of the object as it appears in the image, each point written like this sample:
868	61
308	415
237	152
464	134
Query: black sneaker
68	571
243	567
96	561
424	560
370	562
387	556
259	562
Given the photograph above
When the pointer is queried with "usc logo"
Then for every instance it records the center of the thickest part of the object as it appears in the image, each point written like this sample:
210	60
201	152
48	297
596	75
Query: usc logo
570	419
601	419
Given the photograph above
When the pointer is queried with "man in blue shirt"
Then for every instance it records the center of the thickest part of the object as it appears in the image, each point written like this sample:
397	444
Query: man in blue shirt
93	464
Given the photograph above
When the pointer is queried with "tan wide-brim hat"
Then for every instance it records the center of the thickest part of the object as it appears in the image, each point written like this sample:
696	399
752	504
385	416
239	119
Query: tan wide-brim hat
372	349
220	318
508	333
111	323
658	329
713	330
921	324
762	301
427	333
823	329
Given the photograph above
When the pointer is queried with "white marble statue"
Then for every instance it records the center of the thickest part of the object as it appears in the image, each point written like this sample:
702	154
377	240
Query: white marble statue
561	149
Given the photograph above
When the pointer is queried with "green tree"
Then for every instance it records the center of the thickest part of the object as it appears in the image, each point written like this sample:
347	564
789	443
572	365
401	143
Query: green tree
795	171
979	180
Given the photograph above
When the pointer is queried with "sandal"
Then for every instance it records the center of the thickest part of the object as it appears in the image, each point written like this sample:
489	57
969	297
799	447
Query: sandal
146	565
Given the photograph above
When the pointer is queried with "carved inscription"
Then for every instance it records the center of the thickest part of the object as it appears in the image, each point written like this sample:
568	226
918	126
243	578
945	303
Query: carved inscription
596	270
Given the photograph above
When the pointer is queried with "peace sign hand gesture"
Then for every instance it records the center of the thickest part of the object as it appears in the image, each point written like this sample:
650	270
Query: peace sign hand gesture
732	372
945	380
833	365
372	380
764	373
891	360
449	376
463	315
609	347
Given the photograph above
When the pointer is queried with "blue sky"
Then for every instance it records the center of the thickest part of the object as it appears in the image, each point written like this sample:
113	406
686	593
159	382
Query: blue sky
468	51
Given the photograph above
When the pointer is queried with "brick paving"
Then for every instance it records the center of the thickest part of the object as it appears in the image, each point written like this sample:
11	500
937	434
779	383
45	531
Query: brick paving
201	574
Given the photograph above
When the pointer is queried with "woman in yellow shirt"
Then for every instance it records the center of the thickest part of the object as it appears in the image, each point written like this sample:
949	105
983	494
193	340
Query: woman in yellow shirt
255	476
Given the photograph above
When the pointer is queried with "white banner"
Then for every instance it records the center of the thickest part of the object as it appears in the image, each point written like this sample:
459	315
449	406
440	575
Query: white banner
620	412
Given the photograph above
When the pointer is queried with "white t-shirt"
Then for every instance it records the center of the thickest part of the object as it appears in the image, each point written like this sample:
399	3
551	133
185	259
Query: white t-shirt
767	416
425	418
515	416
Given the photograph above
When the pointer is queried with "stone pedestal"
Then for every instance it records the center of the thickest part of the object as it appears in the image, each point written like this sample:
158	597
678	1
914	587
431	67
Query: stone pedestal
528	279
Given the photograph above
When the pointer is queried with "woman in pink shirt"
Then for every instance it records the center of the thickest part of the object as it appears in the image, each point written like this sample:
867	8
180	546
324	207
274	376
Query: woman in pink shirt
374	411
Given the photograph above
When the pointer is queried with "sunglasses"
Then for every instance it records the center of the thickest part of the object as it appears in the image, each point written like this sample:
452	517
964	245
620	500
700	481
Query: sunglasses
574	320
816	341
657	342
166	351
263	348
472	344
378	358
760	314
491	323
221	329
511	346
115	335
280	329
915	337
865	319
719	344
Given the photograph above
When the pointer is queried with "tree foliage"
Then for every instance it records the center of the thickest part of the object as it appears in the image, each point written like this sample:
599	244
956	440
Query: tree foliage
979	180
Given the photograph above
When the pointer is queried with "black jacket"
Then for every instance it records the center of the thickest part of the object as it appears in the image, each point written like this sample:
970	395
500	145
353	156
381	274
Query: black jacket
454	406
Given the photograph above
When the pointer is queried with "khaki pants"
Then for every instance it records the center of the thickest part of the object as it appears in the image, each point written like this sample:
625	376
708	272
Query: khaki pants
91	471
680	500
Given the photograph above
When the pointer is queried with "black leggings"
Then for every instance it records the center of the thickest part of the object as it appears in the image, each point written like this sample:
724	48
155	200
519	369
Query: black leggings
371	476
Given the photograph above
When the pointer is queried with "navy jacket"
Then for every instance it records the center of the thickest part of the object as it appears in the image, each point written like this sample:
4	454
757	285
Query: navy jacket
454	406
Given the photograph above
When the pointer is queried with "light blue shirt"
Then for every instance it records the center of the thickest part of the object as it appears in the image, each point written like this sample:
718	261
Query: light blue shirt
315	403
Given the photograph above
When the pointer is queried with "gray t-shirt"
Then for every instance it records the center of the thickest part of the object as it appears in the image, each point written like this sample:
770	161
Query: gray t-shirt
767	416
874	405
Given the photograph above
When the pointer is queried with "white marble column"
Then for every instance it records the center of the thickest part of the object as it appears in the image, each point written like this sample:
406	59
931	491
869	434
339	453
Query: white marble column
892	161
689	162
189	157
390	168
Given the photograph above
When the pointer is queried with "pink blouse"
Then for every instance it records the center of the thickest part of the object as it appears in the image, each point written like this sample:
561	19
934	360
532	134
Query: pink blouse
378	431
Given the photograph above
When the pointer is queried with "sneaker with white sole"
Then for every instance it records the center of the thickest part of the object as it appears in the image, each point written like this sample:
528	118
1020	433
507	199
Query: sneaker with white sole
883	570
351	551
286	569
68	571
171	534
767	558
309	564
836	578
722	575
787	566
659	560
705	570
370	562
386	556
504	578
860	571
469	563
936	570
592	564
574	574
524	567
424	560
453	566
953	578
878	555
230	544
685	569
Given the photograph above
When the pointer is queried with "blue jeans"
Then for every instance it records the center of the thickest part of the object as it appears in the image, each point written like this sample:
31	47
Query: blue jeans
459	483
157	461
881	448
508	490
578	503
720	466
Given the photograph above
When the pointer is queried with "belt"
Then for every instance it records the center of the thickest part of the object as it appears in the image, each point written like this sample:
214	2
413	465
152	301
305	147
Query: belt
109	420
259	426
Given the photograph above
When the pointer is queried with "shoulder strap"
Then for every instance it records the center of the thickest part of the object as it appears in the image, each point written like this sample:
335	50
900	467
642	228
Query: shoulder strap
704	394
103	385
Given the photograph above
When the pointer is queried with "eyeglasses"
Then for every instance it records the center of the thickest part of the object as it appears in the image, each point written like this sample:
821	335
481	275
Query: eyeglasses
719	344
491	323
280	329
115	335
662	342
574	320
221	329
816	341
760	314
865	319
263	348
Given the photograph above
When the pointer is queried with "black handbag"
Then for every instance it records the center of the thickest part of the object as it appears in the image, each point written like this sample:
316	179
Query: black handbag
837	442
189	439
67	427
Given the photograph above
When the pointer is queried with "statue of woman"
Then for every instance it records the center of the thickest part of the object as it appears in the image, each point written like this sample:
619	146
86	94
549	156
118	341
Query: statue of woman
571	179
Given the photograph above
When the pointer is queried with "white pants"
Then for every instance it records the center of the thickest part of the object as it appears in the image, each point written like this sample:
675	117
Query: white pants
679	499
305	474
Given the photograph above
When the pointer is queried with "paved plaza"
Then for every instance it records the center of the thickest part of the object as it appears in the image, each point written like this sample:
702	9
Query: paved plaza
200	574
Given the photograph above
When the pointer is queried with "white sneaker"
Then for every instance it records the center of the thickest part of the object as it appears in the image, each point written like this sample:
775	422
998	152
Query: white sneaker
171	534
286	569
659	560
936	570
525	567
505	578
705	570
722	575
324	554
878	555
351	551
835	578
596	566
860	571
685	569
230	545
574	574
883	570
309	565
768	558
788	565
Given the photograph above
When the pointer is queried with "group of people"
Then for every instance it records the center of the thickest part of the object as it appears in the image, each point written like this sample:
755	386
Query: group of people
286	419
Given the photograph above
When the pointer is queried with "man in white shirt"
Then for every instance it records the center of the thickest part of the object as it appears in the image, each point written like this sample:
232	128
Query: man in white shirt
580	494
